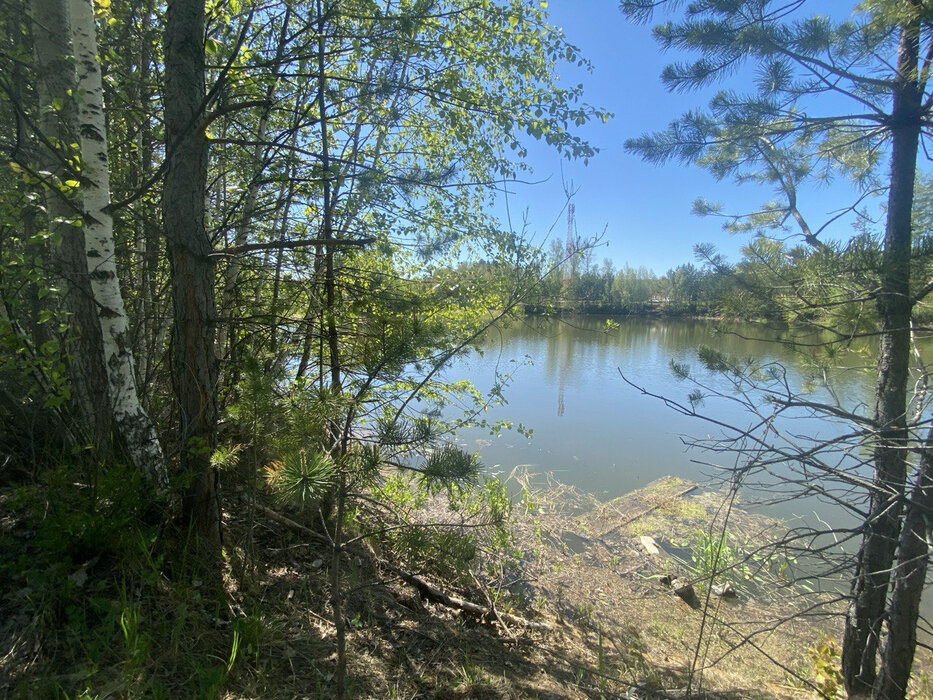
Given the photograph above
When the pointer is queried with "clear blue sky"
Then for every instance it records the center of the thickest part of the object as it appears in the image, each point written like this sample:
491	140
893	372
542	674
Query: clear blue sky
645	209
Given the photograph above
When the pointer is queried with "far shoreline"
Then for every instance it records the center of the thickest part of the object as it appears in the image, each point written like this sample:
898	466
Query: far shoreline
542	311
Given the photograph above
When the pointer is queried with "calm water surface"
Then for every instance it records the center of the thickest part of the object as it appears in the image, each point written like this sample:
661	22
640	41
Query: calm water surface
593	430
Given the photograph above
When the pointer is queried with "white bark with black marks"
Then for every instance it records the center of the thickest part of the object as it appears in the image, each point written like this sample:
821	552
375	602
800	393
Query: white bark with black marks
132	422
55	84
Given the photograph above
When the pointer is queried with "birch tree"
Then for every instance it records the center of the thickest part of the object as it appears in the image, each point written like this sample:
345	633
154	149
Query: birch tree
73	97
55	72
131	421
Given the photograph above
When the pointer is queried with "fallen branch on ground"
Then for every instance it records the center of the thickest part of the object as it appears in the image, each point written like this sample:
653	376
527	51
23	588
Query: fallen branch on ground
288	522
432	593
435	595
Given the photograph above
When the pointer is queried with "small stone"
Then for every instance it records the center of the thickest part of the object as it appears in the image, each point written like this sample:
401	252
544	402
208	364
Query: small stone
724	590
649	544
685	592
317	563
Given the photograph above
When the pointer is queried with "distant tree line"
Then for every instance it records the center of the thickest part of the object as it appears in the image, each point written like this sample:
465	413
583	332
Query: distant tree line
764	285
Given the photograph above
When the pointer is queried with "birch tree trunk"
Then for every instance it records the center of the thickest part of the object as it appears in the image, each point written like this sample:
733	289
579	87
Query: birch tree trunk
57	118
131	421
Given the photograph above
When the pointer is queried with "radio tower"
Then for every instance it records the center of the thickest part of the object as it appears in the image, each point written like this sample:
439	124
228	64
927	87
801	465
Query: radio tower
569	250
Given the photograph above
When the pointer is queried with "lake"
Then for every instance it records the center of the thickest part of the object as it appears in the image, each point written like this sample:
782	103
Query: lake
593	430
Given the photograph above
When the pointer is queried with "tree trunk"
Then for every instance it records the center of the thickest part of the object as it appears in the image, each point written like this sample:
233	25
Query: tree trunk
327	232
150	321
134	428
879	542
194	365
287	198
36	249
901	640
57	117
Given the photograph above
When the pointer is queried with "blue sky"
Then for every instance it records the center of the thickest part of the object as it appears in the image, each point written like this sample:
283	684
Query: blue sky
645	209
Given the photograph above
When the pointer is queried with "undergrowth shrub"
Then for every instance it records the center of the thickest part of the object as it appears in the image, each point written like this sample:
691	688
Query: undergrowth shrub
84	566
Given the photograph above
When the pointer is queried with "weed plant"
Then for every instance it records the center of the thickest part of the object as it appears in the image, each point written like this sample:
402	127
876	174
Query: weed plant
84	563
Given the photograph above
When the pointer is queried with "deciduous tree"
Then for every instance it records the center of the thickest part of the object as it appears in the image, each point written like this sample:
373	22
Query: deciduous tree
77	189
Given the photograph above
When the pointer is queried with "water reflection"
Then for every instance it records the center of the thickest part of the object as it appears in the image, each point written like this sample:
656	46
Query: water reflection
608	438
599	433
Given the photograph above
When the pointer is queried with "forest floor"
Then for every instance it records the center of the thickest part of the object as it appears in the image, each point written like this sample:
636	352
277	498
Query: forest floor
582	608
616	627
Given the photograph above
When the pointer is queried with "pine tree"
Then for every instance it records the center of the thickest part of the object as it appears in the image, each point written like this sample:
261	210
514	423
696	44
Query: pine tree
875	64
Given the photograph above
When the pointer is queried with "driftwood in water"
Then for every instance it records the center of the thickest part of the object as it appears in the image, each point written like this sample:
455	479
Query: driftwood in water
649	511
